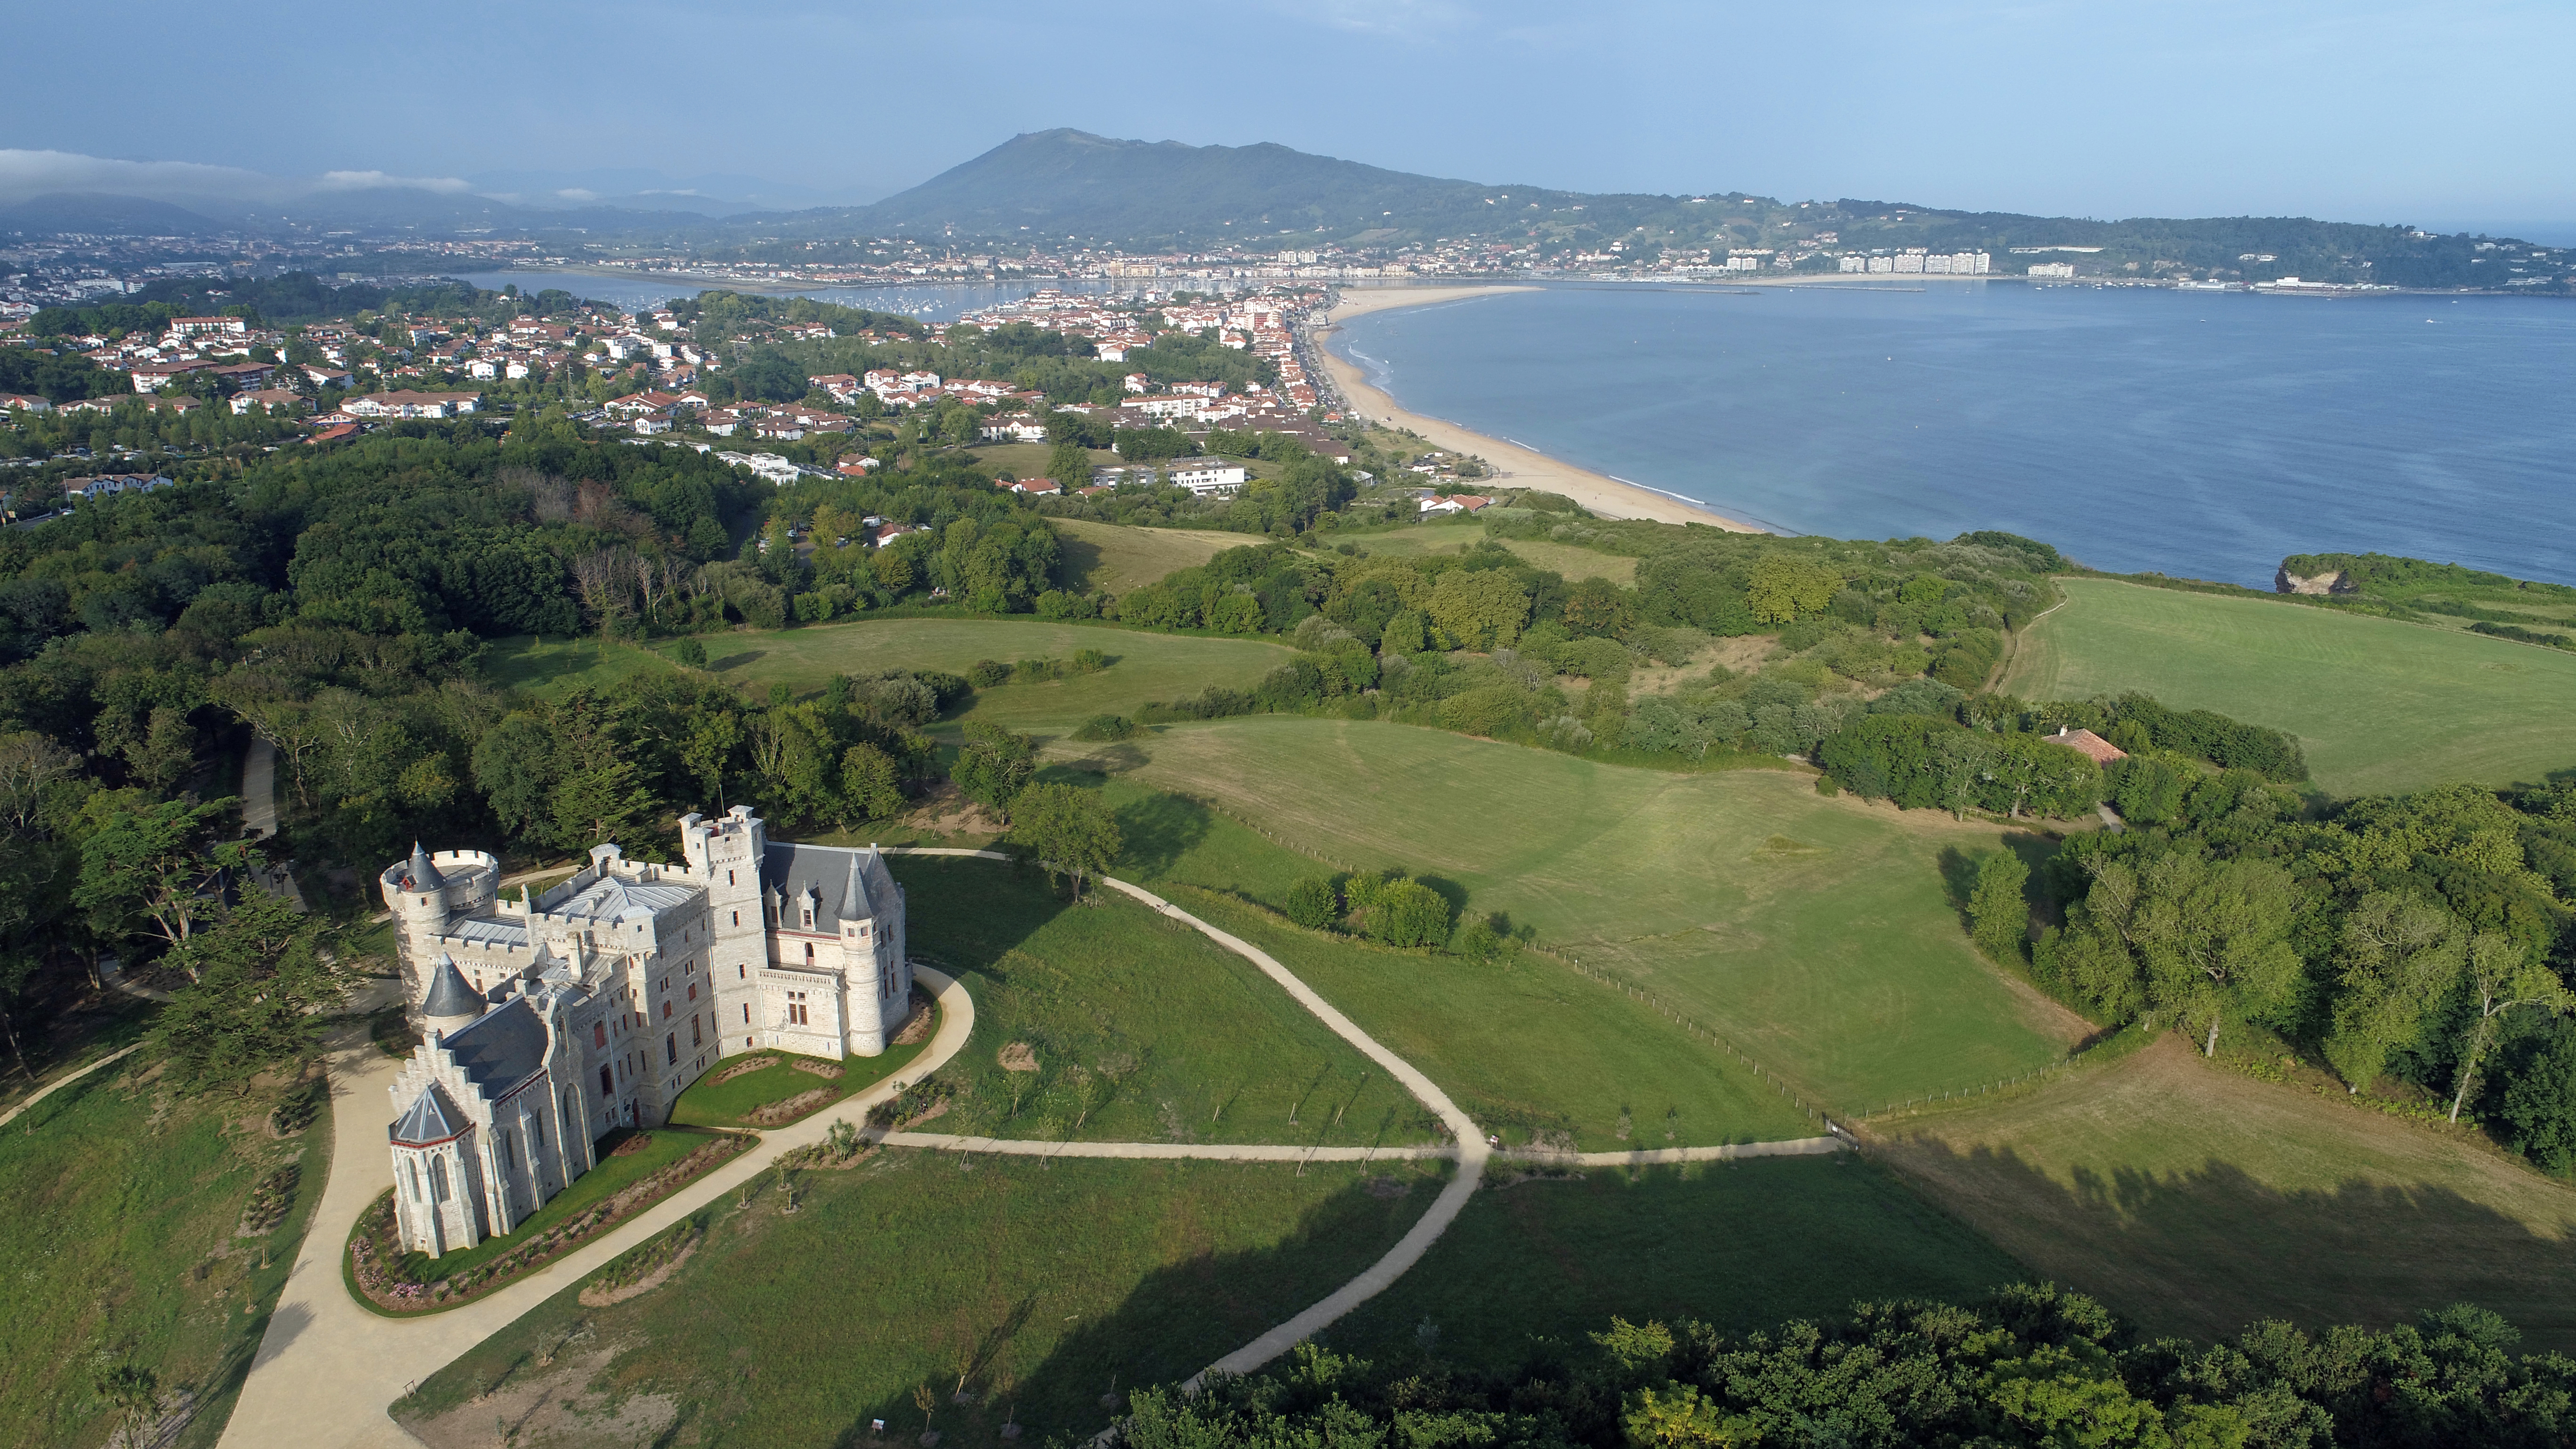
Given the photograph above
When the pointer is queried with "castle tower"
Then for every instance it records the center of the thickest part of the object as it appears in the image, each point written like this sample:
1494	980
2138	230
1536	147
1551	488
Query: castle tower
728	854
449	1003
416	892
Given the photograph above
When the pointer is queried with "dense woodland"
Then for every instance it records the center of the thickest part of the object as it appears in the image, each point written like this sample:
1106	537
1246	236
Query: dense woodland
2028	1366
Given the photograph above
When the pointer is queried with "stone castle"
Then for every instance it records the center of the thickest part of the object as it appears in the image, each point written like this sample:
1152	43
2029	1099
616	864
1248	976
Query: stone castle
549	1020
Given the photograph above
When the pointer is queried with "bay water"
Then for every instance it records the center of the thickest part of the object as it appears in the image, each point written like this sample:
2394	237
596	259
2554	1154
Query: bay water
2198	434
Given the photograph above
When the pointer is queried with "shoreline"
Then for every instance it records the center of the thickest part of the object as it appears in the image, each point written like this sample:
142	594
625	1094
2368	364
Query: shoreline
1521	466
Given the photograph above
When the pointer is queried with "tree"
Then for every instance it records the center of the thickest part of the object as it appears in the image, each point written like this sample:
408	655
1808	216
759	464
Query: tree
1072	832
156	863
2502	976
2001	917
871	782
1783	587
1069	464
2215	939
994	765
1395	910
691	654
2402	957
258	981
2540	1100
600	802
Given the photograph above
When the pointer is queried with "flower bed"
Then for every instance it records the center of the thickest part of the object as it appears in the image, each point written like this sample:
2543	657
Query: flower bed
379	1270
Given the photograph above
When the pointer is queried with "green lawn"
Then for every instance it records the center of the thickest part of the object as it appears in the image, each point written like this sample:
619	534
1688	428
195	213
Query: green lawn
1045	1286
1818	935
558	666
2379	705
125	1201
1530	1049
2195	1200
710	1103
1571	560
613	1174
1121	559
1144	666
1142	1029
1739	1246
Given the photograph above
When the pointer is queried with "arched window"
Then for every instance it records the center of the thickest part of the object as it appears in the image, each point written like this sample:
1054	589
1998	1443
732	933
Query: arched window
607	1083
438	1179
411	1177
809	950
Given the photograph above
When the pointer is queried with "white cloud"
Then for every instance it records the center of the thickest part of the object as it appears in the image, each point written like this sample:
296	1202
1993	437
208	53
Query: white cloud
1400	19
33	173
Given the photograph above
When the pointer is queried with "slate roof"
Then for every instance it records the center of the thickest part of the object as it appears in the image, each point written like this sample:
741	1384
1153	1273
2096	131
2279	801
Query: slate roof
849	885
502	1050
431	1117
611	899
422	875
449	995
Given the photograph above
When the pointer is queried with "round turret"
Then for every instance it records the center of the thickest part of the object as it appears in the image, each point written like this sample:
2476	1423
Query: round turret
451	1002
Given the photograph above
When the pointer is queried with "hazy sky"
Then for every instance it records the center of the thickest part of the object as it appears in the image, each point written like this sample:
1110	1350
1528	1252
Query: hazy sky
2362	110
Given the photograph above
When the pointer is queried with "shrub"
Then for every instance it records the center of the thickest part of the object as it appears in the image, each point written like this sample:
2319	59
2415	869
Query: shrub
1089	661
1826	787
1104	727
1394	910
985	673
691	653
1313	903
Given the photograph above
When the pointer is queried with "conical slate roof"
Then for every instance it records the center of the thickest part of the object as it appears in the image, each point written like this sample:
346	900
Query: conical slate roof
449	993
424	876
431	1117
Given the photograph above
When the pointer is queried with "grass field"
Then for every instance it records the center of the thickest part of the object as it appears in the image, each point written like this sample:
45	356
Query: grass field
1146	666
561	665
1818	934
1121	559
1738	1246
125	1203
1045	1286
1570	560
710	1103
2195	1200
1141	1029
2379	705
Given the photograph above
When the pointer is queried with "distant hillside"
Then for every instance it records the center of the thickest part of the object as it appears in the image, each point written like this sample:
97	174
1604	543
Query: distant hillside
1048	186
1066	182
69	211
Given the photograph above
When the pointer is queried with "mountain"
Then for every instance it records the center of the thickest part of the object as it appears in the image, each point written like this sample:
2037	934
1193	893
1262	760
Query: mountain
102	215
1071	183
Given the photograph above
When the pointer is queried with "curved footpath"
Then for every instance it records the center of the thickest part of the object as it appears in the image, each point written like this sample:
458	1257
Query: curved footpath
329	1367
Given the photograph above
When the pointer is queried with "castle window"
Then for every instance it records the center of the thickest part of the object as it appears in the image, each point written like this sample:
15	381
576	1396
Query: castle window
809	920
746	1013
509	1153
742	971
607	1083
809	950
737	916
599	1033
438	1179
697	1037
671	1049
693	991
666	1011
411	1179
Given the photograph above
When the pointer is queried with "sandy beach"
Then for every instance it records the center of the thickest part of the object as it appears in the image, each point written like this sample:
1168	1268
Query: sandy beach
1514	465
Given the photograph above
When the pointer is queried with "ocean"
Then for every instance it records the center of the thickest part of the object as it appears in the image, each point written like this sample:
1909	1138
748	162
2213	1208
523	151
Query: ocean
2198	434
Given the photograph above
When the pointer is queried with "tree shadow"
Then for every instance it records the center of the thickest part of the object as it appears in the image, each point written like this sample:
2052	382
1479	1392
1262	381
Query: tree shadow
1155	832
1077	561
2206	1251
964	915
1177	1320
736	661
1448	890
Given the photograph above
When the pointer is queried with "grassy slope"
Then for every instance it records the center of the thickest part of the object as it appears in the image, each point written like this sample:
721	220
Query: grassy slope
1739	1245
1048	1284
1816	933
1121	559
613	1175
118	1196
1570	560
2196	1200
1211	1050
2379	705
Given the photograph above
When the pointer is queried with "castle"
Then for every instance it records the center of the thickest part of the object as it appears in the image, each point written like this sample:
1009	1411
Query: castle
549	1020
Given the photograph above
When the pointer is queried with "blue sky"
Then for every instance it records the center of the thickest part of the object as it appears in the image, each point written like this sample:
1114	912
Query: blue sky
2363	110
